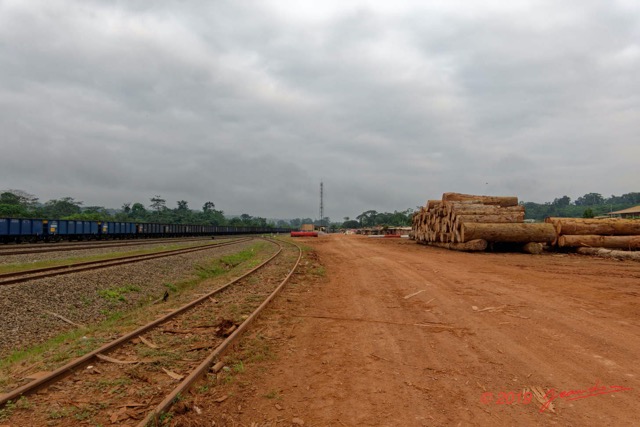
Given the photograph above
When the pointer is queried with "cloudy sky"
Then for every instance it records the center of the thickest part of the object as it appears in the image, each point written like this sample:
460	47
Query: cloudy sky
250	104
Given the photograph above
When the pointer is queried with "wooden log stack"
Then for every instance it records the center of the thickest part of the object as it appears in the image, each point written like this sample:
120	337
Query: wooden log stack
611	233
459	219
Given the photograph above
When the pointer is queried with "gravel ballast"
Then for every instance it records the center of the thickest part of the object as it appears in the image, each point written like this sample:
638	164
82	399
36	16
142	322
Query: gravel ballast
80	253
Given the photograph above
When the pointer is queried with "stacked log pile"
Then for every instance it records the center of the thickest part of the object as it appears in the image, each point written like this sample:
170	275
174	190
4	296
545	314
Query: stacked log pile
611	233
469	222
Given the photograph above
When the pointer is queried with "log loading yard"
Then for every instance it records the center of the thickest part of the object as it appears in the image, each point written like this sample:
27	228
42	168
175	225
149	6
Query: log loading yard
480	319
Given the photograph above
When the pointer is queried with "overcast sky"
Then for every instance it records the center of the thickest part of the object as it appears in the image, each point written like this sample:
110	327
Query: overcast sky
250	104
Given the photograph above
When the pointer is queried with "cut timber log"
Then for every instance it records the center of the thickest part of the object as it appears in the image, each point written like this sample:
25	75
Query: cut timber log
605	226
597	241
503	201
496	219
533	248
511	233
471	246
608	253
431	204
479	209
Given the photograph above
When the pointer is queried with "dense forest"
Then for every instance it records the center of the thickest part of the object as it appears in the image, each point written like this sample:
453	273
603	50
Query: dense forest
587	206
372	218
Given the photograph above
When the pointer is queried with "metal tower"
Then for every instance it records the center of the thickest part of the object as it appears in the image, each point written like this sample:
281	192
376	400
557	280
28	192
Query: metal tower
321	204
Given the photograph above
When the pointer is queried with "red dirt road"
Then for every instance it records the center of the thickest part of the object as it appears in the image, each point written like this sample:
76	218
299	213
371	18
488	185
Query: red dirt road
364	352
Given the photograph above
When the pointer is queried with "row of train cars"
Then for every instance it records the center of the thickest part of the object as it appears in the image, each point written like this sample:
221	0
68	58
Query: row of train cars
51	230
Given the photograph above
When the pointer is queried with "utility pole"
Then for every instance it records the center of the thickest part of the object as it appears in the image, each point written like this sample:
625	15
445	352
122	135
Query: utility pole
321	204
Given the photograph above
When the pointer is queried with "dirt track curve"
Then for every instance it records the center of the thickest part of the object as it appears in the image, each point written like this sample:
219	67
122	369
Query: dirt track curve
406	335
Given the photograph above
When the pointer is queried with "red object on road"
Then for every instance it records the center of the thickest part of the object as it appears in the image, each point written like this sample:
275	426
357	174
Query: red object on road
304	234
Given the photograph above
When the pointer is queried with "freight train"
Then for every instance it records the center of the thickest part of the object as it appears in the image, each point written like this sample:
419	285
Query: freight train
50	230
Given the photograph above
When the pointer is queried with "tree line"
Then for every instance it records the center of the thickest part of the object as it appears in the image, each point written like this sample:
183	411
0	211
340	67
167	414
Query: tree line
372	218
587	206
20	204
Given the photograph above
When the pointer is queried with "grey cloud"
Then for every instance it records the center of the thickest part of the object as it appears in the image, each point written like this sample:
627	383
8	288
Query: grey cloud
250	104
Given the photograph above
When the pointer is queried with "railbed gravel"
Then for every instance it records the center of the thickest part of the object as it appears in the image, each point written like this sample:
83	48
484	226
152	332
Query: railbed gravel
80	253
24	320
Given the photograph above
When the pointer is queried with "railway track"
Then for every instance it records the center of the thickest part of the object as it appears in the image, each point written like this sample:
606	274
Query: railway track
44	248
40	273
139	376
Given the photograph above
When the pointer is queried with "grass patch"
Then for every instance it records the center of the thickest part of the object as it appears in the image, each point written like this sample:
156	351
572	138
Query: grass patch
171	287
7	410
58	414
41	349
229	262
67	345
319	271
238	367
118	294
104	384
257	349
273	394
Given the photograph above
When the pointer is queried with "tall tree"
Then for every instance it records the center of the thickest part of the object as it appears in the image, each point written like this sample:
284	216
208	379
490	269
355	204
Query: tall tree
12	205
208	207
26	199
590	199
138	212
158	204
8	198
61	208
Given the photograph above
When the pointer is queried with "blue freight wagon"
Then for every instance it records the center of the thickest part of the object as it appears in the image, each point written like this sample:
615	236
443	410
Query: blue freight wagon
118	230
68	229
20	230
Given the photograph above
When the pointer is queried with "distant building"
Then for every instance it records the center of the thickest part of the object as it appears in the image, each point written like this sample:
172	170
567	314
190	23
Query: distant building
629	213
307	227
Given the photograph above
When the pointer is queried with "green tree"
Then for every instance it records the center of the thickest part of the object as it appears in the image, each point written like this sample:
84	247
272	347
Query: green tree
588	213
295	222
368	218
158	204
8	198
12	205
138	212
209	215
62	208
13	211
208	207
24	199
352	223
562	201
590	199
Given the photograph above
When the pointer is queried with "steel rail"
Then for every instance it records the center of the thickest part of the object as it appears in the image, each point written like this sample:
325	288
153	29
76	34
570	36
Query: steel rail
40	273
80	362
203	368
